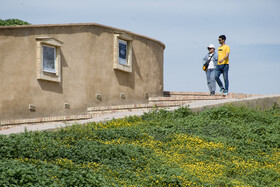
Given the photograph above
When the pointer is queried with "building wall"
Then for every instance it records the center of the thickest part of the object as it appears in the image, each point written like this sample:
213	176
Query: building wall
86	70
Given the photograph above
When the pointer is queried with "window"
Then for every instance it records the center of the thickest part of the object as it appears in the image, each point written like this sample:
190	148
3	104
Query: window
123	52
48	59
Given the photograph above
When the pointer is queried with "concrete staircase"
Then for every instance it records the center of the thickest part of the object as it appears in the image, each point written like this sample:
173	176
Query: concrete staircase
168	100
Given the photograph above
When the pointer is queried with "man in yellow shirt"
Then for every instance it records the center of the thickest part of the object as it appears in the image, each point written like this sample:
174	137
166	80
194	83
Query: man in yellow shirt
223	65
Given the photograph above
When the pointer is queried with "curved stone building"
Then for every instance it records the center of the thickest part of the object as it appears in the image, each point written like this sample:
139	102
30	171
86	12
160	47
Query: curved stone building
57	70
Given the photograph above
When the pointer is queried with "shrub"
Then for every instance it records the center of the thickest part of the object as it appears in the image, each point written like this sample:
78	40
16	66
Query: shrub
224	146
9	22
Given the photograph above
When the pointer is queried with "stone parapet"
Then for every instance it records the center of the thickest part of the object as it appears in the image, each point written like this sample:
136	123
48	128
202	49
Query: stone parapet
46	119
170	100
204	94
97	111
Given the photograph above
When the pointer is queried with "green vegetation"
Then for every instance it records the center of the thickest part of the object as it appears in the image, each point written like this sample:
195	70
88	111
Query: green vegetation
225	146
9	22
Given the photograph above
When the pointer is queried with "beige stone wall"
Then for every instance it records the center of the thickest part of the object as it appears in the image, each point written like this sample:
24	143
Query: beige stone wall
87	56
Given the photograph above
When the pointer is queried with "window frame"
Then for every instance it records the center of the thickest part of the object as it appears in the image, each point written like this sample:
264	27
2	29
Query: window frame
42	73
122	38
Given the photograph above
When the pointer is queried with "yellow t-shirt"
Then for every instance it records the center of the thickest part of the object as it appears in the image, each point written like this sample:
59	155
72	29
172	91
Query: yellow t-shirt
222	52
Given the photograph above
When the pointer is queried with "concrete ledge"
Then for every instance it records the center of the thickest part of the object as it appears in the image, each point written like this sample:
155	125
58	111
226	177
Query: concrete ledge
230	95
135	107
80	25
186	98
93	112
46	119
256	102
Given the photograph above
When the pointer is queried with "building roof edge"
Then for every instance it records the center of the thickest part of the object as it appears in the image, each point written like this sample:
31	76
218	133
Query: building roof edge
80	24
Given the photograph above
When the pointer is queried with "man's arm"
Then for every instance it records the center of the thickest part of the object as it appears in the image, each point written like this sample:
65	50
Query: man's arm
226	57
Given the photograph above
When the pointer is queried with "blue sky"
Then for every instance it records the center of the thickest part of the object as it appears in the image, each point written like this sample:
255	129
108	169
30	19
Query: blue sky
186	27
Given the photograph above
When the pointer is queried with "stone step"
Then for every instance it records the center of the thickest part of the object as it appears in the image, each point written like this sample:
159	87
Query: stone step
193	96
185	98
173	93
170	99
229	96
100	110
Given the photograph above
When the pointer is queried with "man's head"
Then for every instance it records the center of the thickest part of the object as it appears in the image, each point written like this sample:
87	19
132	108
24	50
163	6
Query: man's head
222	39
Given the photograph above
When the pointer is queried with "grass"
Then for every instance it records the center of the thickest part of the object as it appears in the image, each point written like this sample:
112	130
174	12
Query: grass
225	146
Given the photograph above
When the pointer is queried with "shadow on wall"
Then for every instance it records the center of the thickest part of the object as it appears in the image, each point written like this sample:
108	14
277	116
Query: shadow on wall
51	86
128	79
160	66
135	66
55	86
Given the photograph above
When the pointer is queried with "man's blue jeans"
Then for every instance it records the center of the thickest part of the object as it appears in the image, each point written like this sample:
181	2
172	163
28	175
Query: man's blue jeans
222	69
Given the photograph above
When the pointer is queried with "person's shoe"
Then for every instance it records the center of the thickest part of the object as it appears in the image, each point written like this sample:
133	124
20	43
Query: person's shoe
222	90
212	93
225	93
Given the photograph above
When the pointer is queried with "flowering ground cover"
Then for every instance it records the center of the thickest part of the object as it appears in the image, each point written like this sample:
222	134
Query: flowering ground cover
225	146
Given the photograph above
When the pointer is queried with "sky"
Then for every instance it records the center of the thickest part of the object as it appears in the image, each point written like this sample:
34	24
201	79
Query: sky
186	27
